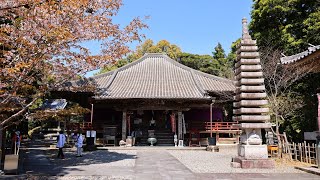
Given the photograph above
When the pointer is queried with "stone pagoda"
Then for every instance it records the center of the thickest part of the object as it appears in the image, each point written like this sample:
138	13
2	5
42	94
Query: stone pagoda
250	105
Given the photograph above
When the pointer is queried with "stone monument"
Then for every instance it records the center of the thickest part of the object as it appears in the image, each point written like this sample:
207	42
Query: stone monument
250	105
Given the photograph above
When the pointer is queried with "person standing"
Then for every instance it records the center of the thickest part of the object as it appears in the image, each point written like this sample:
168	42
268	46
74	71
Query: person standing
16	142
79	144
61	139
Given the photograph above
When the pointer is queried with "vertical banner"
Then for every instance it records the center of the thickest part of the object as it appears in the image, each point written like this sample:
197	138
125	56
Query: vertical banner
129	125
179	125
184	125
173	122
124	125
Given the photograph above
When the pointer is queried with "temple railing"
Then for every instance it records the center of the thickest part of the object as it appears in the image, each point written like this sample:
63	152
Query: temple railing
83	126
215	126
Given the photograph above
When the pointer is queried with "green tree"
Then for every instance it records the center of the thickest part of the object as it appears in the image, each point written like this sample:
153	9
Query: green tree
218	64
204	63
163	46
218	52
225	64
114	66
232	56
288	25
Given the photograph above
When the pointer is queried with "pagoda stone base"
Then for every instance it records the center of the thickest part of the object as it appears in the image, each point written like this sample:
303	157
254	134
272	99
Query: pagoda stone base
252	163
252	156
253	151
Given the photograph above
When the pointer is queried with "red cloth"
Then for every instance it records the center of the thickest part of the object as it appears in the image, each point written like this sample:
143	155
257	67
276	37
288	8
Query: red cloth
173	122
14	138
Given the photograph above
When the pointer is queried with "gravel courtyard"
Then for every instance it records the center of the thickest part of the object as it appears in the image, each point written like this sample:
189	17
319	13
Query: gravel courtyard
197	161
219	162
135	163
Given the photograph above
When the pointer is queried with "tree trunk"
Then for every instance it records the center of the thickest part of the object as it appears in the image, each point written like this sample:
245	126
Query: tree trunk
278	135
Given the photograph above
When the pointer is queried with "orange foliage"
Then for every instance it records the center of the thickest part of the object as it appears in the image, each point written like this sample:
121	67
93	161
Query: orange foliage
40	42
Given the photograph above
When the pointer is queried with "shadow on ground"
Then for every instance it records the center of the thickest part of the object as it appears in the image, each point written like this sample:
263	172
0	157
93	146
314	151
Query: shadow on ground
38	159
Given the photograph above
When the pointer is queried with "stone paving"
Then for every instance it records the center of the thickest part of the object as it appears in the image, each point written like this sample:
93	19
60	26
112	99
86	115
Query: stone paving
40	162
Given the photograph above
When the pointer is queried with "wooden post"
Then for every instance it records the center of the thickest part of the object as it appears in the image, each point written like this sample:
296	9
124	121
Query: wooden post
217	136
91	117
318	95
287	144
309	154
179	125
305	152
300	152
211	120
315	154
124	125
295	151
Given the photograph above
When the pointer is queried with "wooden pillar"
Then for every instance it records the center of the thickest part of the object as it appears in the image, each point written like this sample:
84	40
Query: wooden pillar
217	137
180	125
318	111
124	125
65	124
211	120
212	102
58	128
2	145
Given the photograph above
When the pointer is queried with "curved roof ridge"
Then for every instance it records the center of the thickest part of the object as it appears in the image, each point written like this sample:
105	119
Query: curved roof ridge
111	78
198	83
171	61
299	56
197	71
122	68
102	74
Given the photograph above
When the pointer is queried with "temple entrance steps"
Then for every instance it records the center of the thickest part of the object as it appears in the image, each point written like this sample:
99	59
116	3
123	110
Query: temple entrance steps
164	138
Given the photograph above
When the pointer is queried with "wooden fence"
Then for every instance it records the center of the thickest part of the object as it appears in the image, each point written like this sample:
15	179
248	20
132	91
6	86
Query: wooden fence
303	152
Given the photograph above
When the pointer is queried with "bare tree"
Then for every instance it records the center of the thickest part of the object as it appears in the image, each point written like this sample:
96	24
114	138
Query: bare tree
278	77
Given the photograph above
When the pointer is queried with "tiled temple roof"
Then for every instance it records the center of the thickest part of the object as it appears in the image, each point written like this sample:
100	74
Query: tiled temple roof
299	56
156	76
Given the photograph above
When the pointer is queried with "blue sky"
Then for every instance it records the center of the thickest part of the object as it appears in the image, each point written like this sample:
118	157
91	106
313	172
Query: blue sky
195	26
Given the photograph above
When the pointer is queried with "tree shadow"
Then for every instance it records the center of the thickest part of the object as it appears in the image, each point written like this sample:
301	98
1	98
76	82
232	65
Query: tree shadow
43	162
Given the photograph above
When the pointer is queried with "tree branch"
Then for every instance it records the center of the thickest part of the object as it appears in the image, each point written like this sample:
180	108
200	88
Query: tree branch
20	112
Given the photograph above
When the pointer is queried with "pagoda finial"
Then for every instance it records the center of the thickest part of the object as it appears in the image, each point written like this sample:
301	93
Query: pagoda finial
245	32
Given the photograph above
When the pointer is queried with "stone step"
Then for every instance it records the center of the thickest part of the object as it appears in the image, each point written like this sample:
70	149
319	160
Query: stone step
249	75
248	42
246	88
255	81
244	61
250	96
247	49
252	55
250	103
246	68
250	110
253	118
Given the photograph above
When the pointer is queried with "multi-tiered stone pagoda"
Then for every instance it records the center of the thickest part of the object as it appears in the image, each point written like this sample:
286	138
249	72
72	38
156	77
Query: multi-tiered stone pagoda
250	104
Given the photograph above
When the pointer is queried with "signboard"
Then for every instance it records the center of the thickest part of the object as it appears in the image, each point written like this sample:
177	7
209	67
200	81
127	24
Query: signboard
91	134
88	133
310	136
